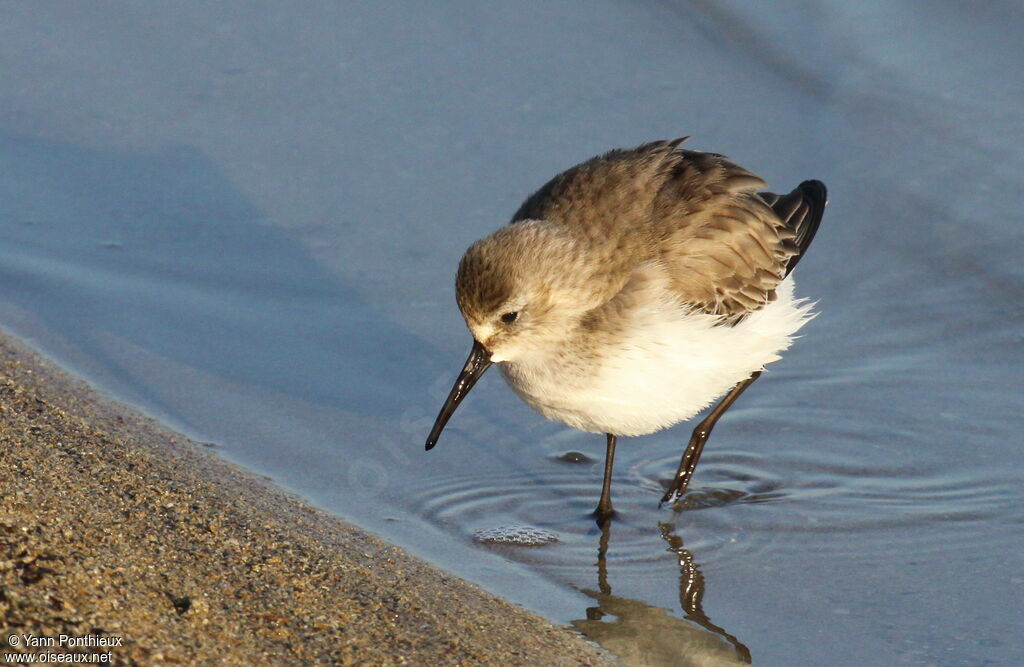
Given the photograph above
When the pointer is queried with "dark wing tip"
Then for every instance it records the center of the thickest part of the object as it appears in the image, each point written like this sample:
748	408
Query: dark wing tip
801	210
816	194
815	199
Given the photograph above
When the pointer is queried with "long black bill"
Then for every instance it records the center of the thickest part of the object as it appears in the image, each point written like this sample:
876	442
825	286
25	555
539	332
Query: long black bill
478	362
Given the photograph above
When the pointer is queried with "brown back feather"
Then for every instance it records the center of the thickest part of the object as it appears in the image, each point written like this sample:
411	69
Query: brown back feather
724	246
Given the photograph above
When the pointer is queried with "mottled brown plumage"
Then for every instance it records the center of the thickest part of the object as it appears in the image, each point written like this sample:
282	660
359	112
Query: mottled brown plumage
699	214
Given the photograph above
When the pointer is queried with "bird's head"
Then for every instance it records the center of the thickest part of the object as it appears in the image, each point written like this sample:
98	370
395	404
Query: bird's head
521	290
524	288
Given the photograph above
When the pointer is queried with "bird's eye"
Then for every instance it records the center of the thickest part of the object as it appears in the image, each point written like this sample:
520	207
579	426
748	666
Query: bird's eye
509	318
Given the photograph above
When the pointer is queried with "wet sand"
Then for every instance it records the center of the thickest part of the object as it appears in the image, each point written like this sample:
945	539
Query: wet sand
112	526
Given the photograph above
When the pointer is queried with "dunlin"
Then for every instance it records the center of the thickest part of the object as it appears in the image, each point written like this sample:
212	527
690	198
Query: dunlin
634	289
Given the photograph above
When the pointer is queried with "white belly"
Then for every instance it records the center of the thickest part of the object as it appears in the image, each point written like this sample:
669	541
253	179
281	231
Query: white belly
669	366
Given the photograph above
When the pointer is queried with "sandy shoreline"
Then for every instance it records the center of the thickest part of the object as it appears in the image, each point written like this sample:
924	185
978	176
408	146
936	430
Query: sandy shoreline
113	527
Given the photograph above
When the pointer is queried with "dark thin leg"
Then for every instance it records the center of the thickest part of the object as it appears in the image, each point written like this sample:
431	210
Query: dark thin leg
700	436
604	507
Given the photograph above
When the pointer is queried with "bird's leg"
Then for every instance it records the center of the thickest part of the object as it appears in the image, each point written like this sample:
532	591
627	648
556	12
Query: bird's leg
700	436
604	509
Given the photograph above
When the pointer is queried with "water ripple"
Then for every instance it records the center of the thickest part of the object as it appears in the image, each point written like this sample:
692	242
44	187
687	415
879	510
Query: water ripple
740	505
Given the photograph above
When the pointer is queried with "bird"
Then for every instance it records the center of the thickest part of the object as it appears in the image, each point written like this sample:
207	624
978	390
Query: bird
634	289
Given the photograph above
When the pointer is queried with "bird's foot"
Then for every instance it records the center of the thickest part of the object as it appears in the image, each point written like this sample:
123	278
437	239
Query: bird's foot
603	515
675	492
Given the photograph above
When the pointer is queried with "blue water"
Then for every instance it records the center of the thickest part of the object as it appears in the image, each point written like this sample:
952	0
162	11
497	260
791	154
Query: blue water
245	218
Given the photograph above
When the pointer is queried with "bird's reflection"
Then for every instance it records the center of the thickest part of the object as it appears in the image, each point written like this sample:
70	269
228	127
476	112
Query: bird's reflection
644	635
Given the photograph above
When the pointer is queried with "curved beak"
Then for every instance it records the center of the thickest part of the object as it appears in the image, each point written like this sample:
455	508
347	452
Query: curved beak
479	361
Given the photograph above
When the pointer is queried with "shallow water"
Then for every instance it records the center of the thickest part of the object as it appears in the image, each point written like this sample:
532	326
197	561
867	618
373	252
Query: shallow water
246	222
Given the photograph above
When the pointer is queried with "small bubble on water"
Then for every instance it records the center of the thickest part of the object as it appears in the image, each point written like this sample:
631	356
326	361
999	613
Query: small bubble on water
574	457
526	536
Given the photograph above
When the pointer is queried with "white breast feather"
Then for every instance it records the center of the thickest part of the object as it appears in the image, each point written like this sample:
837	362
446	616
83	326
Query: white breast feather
669	366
